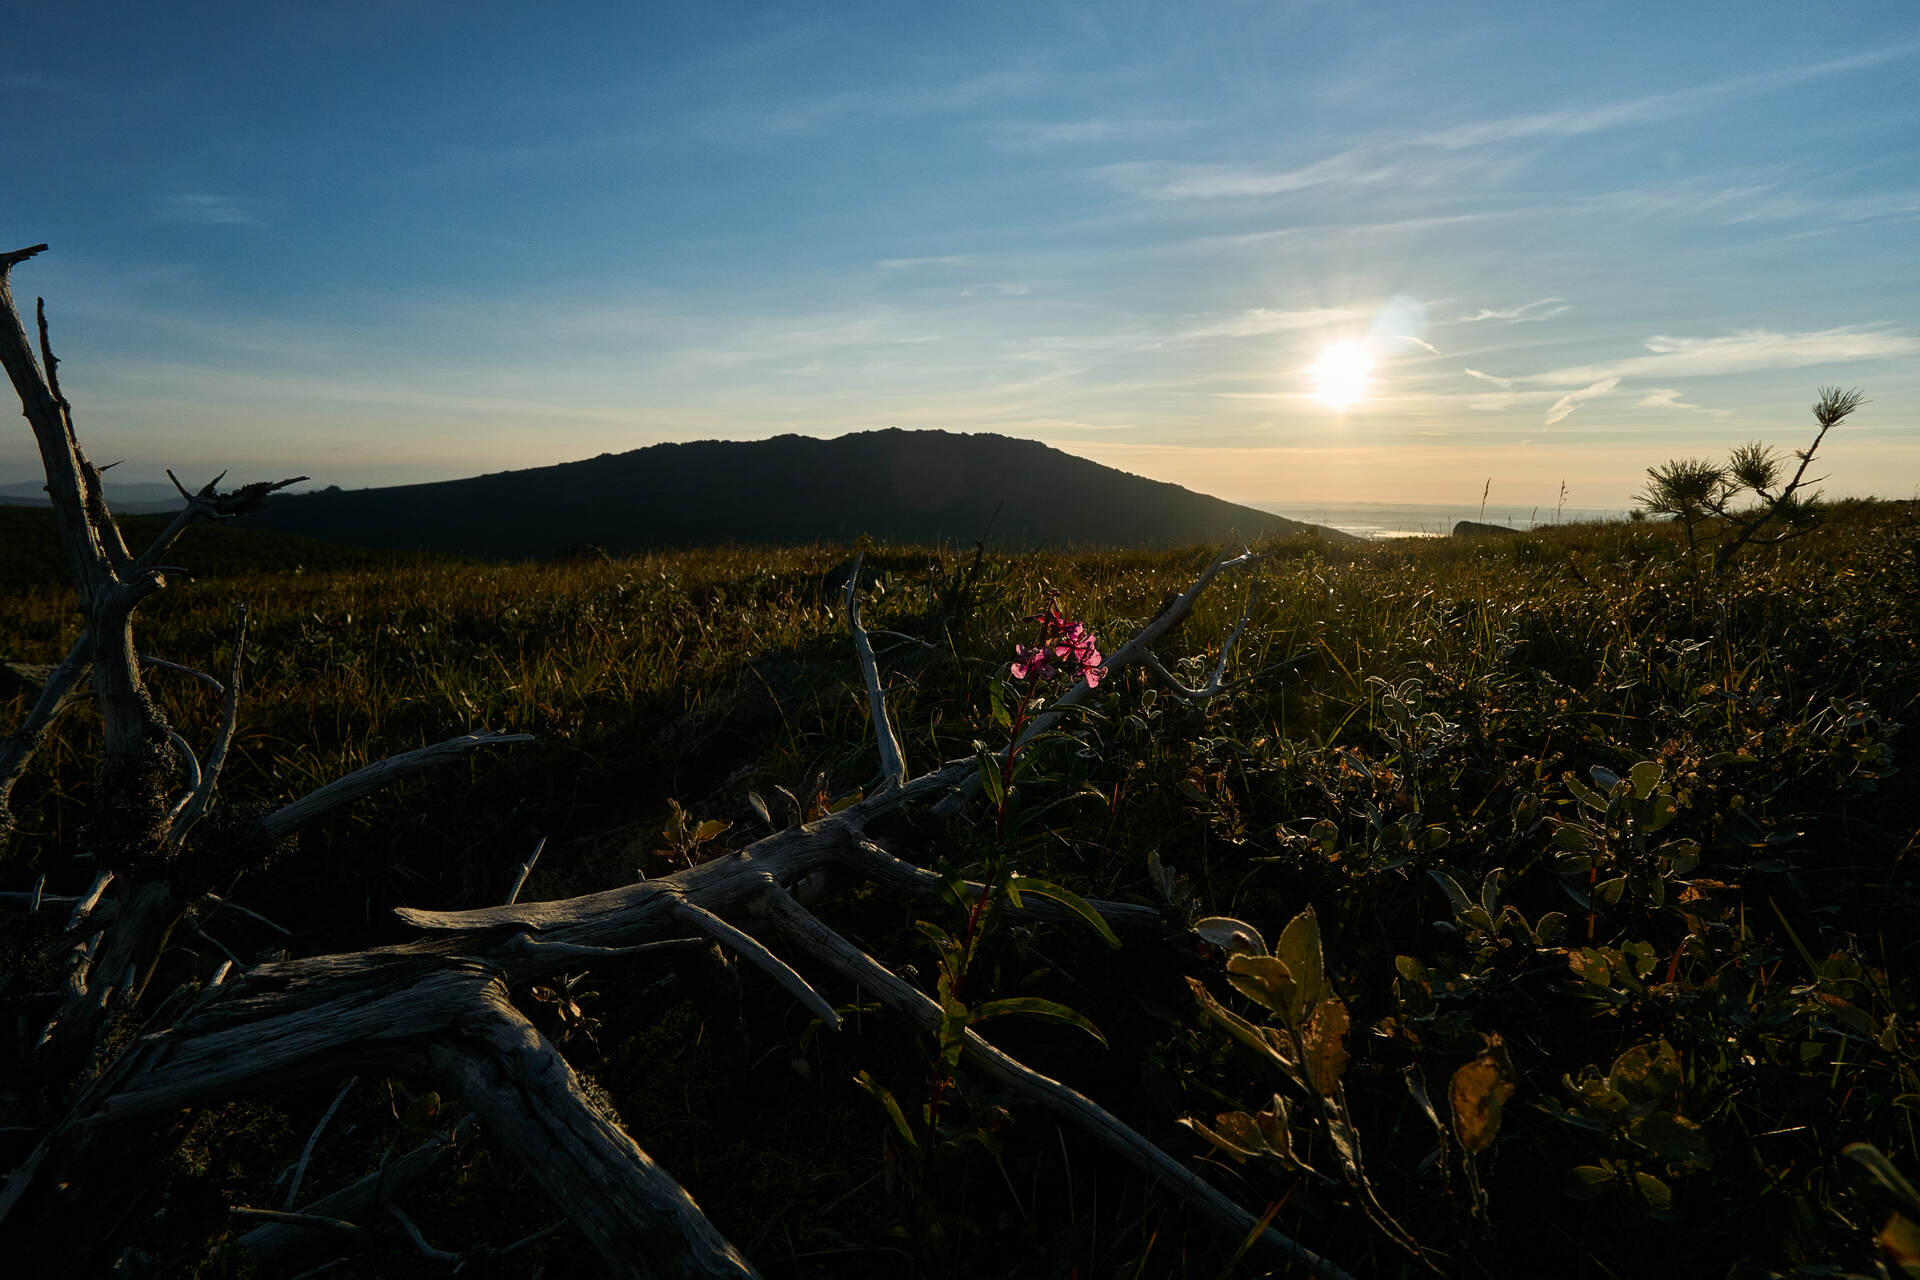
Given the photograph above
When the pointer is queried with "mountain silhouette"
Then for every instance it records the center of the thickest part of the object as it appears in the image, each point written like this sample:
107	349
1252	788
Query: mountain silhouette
920	487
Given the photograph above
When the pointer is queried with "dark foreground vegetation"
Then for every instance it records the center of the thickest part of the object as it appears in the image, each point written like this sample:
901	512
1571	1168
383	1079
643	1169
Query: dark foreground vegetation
1609	859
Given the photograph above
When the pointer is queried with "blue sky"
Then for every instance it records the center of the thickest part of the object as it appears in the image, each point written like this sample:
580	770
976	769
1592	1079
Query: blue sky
390	242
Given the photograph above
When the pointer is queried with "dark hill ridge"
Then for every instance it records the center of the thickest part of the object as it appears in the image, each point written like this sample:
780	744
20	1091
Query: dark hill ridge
901	486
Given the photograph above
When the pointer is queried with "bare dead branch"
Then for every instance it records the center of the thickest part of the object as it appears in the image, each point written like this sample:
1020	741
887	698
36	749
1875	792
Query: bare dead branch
275	1244
197	803
526	869
893	761
642	1222
313	1139
757	955
148	660
89	900
56	695
381	773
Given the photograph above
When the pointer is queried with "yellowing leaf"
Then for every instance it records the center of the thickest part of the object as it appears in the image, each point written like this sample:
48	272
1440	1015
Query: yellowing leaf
1324	1037
1901	1239
1265	979
1478	1091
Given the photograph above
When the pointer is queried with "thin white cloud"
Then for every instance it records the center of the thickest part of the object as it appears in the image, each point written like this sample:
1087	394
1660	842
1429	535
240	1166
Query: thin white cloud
1669	398
1260	322
1418	342
1237	182
1744	351
943	260
1503	383
1539	309
206	209
1574	399
1026	135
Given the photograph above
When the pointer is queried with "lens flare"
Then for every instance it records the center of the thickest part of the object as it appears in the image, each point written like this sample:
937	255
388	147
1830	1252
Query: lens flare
1340	375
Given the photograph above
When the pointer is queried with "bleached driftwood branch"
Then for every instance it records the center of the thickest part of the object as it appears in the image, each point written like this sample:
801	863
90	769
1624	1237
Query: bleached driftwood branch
893	760
381	773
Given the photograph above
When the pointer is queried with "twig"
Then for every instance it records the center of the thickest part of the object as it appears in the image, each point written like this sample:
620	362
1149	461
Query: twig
306	1152
197	804
526	869
148	660
757	955
893	761
89	900
381	773
807	932
223	904
534	946
312	1221
419	1241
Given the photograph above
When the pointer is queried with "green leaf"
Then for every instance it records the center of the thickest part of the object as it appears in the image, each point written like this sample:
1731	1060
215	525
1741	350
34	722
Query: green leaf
1457	898
1265	1041
1648	1076
997	705
1675	1140
1589	964
1664	810
1037	1007
988	767
1234	936
1490	890
1875	1162
1583	793
1645	777
1299	948
1573	836
1654	1191
1589	1181
886	1100
1068	899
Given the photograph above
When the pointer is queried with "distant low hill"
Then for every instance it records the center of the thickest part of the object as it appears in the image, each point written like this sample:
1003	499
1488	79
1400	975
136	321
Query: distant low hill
922	487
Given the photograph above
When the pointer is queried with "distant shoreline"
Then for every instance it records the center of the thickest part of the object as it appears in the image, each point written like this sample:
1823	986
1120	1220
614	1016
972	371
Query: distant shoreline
1383	520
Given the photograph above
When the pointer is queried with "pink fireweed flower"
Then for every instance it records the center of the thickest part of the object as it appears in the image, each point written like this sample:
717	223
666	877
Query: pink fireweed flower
1066	646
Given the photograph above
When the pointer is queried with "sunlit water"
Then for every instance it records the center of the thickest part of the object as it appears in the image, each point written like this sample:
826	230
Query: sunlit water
1429	519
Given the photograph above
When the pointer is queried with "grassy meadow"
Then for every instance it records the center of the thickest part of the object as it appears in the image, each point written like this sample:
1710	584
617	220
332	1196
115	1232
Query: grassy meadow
1611	861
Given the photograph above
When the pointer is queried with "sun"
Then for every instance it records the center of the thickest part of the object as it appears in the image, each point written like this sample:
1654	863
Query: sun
1340	375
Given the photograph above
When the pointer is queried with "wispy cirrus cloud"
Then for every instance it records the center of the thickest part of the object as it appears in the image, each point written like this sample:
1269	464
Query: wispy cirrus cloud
1574	399
1035	134
1669	398
1505	384
1259	322
1539	309
207	209
1743	351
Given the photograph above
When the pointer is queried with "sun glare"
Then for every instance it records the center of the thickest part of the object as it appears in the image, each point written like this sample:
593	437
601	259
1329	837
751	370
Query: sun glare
1340	375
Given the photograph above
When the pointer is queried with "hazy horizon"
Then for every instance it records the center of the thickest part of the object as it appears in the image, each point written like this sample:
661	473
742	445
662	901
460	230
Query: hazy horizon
385	245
